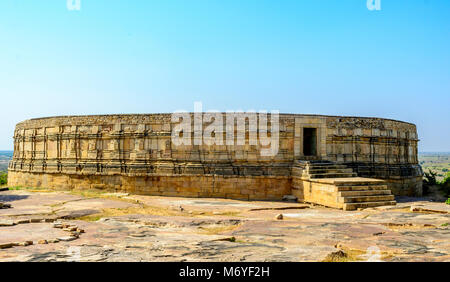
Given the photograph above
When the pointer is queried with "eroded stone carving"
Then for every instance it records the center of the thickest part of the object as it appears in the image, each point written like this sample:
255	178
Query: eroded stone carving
134	153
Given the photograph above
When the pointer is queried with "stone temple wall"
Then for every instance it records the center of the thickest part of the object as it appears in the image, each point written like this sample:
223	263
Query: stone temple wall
134	153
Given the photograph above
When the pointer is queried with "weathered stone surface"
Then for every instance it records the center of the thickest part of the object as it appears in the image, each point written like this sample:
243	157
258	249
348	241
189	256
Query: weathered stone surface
7	222
67	238
25	243
155	232
291	198
31	232
6	245
4	205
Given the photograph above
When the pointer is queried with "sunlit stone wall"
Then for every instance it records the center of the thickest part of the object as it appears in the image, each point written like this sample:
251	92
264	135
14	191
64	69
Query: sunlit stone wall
135	153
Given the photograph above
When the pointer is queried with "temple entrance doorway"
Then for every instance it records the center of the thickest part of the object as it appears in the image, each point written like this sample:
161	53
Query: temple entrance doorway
309	141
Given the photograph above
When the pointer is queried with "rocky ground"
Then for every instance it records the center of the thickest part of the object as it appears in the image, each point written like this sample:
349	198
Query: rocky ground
94	226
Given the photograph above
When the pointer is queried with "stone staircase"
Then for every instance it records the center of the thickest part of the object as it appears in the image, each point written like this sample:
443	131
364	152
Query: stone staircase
323	169
363	194
336	185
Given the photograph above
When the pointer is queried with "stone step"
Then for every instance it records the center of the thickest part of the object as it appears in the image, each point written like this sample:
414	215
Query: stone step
364	193
330	175
297	171
331	170
334	166
359	199
312	162
354	206
358	183
361	187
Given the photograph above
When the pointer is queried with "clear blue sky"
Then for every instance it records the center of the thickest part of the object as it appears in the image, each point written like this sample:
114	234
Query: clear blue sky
317	56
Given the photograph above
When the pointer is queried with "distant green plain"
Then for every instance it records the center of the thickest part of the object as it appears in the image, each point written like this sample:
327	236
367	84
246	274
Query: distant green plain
436	162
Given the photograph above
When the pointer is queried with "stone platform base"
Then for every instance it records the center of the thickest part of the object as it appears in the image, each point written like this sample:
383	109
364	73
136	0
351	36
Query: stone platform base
348	193
217	186
344	193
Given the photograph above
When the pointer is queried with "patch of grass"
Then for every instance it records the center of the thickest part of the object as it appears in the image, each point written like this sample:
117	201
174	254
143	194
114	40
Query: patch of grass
19	188
351	255
218	229
229	213
142	209
401	226
344	256
30	189
406	209
91	193
14	188
208	213
90	218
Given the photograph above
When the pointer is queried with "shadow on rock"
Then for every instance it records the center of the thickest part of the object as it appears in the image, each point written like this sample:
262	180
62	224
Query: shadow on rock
11	198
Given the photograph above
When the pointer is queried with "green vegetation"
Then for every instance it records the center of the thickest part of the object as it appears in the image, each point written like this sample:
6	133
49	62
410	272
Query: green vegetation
445	187
430	178
436	167
438	163
428	181
3	178
16	188
347	255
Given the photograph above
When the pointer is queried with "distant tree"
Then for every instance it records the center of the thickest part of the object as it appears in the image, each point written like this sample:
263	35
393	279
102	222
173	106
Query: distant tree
430	178
445	185
428	181
3	178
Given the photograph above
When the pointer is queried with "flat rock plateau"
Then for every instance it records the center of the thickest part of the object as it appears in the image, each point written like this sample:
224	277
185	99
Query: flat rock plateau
45	225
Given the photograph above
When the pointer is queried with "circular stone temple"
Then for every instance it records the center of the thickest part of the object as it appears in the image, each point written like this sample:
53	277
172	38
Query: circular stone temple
337	161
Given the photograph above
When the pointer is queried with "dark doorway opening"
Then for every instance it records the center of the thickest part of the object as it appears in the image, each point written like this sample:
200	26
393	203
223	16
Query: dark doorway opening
309	141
